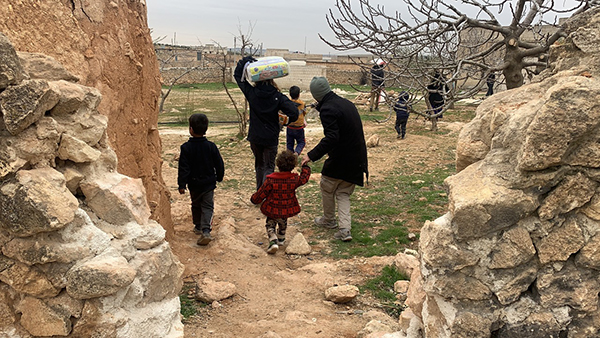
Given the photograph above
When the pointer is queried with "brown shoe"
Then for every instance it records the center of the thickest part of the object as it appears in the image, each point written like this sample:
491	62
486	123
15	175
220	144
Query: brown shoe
204	239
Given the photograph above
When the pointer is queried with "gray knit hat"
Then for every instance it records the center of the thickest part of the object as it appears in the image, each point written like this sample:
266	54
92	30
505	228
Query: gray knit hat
319	87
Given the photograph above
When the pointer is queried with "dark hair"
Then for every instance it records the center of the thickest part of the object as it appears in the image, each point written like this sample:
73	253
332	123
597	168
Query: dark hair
199	123
294	92
286	160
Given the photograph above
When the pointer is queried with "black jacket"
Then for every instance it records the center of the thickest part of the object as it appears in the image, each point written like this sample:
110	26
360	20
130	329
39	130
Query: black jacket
200	165
377	76
402	106
265	103
344	140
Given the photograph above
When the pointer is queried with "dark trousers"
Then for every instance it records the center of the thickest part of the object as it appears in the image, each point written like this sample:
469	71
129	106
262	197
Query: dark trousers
276	228
401	126
490	90
264	161
293	136
203	206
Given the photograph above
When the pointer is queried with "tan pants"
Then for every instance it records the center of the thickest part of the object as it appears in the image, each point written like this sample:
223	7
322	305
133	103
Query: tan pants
335	190
374	100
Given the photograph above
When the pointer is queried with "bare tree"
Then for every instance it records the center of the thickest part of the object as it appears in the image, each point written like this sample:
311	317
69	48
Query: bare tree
246	48
439	35
165	59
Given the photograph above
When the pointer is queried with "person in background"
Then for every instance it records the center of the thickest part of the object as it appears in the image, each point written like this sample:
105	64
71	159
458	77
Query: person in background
490	81
436	91
377	84
346	164
278	197
200	168
402	109
265	100
295	139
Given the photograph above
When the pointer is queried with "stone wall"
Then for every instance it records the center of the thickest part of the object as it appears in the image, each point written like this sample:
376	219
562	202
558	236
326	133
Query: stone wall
80	256
517	255
107	45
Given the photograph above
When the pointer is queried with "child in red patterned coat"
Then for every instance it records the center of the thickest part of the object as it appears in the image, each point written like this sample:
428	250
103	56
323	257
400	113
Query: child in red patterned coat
278	192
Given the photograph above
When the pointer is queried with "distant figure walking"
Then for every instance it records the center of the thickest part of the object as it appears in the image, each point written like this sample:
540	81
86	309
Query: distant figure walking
490	81
295	131
377	84
402	109
436	91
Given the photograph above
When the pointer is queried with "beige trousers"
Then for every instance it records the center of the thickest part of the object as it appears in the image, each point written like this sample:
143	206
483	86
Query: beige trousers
335	190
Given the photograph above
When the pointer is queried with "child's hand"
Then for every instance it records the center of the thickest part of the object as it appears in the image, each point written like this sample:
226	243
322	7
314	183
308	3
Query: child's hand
305	160
182	191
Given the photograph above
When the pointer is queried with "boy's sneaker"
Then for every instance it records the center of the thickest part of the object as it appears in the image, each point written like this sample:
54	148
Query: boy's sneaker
197	231
273	247
343	235
325	224
281	241
204	239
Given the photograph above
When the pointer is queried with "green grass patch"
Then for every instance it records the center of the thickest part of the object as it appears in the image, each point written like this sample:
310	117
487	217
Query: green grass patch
189	306
382	288
382	211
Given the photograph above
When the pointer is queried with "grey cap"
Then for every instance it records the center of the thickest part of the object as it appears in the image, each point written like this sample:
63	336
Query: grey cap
319	87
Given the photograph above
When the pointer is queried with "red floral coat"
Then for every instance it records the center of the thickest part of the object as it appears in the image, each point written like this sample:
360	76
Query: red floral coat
278	192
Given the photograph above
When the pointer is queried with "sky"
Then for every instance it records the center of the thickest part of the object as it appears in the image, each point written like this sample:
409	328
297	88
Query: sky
292	25
282	24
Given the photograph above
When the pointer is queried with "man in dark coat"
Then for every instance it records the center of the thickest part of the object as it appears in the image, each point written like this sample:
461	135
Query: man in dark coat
265	102
344	143
377	84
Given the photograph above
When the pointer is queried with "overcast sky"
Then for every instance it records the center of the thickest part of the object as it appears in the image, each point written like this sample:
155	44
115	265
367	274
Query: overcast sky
292	25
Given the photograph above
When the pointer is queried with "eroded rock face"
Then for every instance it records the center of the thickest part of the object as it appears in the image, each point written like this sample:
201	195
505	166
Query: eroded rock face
79	254
105	45
516	254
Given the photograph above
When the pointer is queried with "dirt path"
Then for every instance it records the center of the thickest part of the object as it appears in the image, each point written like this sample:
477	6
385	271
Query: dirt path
278	293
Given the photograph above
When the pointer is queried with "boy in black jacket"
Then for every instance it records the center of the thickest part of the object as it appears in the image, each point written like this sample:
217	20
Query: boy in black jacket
200	167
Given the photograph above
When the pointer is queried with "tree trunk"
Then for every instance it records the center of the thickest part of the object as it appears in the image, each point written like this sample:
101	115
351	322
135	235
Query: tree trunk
514	72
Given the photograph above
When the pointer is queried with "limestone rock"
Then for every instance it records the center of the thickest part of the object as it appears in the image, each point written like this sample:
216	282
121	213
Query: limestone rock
542	149
76	150
74	97
11	70
447	256
65	304
79	239
481	204
40	66
159	276
561	243
7	306
41	320
28	280
401	286
116	198
26	103
298	246
514	249
341	294
373	141
209	291
415	296
99	276
573	192
406	263
569	286
38	201
589	255
37	145
374	326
